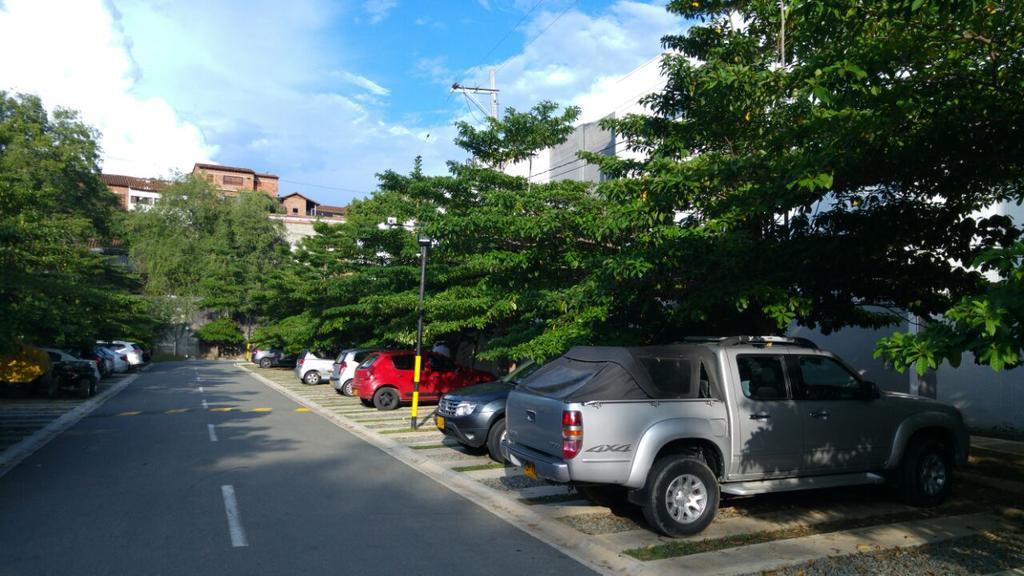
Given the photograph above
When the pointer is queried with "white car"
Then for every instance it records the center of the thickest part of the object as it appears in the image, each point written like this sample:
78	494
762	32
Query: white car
131	351
120	362
313	367
344	368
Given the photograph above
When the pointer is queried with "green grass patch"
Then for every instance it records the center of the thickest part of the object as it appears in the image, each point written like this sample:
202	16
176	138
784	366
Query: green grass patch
475	467
688	547
429	446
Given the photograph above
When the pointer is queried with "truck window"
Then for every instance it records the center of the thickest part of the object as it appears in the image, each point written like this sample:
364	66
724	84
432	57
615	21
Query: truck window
671	377
823	378
762	377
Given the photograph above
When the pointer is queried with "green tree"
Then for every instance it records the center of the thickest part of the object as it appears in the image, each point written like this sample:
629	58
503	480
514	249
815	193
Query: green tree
199	250
826	182
514	269
53	209
223	333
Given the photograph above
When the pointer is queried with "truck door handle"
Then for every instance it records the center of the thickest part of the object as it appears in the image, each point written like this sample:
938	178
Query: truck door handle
820	414
760	416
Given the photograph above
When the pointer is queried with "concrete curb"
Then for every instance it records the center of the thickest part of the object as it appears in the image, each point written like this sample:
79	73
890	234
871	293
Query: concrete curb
28	446
581	547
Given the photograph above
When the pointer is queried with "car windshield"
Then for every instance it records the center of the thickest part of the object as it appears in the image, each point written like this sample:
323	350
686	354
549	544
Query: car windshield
521	372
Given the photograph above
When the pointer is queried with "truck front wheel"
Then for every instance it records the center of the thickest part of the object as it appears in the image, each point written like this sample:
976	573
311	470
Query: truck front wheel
926	473
681	496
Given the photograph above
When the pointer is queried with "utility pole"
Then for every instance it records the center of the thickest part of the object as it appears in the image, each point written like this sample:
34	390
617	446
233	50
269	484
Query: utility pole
493	91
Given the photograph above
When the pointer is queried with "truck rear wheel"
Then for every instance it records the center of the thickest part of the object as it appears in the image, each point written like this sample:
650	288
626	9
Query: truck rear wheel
681	496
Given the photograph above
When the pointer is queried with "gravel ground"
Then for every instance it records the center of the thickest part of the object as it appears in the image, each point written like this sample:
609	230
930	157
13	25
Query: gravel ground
973	555
600	523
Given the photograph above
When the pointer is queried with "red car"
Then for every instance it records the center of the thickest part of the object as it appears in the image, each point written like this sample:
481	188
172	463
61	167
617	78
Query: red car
384	379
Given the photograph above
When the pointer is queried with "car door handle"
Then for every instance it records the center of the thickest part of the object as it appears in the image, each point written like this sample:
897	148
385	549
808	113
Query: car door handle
820	414
760	416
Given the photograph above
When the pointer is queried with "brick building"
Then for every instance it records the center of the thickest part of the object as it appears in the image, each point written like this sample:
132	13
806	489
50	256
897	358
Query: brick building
231	180
134	193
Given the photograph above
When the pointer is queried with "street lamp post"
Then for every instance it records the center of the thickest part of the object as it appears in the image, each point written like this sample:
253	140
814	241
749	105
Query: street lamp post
424	242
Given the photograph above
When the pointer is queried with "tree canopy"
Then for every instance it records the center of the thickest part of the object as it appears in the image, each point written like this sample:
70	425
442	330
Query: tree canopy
838	180
199	250
54	208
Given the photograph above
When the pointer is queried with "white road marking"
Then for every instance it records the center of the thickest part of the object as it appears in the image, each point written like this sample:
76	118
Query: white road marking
238	539
205	405
201	390
213	432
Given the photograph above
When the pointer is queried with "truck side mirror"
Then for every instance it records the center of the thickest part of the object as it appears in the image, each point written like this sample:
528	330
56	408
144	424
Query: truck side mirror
870	390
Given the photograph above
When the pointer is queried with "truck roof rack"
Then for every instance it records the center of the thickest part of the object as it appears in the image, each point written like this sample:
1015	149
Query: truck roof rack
767	341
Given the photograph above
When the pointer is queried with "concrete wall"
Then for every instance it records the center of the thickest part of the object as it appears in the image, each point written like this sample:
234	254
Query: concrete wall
989	400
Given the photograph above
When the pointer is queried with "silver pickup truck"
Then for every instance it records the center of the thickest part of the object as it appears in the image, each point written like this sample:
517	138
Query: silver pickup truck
678	425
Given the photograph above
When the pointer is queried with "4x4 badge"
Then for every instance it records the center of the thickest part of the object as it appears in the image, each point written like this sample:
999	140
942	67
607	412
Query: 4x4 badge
611	448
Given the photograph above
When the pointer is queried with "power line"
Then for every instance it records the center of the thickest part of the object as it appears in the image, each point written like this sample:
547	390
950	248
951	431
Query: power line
325	187
499	42
546	28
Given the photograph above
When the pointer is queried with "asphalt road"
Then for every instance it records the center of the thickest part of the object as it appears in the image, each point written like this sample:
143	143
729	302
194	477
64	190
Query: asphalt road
157	482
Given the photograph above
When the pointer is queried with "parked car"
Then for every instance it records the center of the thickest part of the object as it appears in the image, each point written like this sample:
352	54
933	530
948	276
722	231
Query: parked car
344	368
119	361
129	351
475	415
314	367
104	363
678	425
25	370
270	357
384	379
69	372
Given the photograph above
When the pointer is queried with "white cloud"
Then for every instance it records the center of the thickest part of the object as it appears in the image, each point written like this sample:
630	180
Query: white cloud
363	82
580	59
92	70
378	9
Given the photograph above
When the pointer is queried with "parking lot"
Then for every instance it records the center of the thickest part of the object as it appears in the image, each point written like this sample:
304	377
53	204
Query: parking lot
978	531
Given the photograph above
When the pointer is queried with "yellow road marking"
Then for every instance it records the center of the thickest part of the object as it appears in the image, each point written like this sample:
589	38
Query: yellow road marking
302	409
177	410
262	409
129	413
221	409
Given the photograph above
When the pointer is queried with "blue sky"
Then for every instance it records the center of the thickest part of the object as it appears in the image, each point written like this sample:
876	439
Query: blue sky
323	93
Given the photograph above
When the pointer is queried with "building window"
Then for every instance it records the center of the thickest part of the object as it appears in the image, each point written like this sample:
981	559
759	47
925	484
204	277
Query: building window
233	181
295	210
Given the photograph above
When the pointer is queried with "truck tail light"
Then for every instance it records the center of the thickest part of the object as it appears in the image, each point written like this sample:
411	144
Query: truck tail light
572	433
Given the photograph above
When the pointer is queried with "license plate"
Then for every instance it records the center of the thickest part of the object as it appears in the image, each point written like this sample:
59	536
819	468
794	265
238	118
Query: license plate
439	420
530	470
